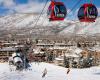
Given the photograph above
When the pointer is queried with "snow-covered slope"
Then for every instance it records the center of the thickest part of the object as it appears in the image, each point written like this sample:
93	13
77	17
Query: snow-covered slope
91	28
27	23
23	20
83	28
53	73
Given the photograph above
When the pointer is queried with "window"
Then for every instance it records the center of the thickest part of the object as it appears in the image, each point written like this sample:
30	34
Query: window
81	13
60	10
92	12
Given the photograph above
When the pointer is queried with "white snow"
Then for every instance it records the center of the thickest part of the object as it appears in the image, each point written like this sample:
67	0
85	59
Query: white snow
59	59
53	73
78	50
18	21
83	28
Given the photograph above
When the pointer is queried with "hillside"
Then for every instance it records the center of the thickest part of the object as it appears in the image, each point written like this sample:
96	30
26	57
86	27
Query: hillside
25	24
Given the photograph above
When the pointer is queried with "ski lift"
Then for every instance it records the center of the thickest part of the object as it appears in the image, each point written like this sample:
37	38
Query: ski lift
87	13
56	11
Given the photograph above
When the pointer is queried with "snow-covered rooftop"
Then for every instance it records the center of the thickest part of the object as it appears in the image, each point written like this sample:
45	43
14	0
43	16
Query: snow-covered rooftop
8	49
95	48
78	50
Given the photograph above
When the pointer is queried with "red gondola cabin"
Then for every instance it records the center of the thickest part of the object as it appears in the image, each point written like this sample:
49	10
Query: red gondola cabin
87	13
56	11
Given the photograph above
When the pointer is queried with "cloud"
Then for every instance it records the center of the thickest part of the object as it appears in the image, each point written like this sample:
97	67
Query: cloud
98	11
32	6
7	3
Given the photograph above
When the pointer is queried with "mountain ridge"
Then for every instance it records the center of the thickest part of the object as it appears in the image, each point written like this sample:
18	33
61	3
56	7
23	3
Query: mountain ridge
25	23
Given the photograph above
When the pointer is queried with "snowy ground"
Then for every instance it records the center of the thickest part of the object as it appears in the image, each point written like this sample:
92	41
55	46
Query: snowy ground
54	73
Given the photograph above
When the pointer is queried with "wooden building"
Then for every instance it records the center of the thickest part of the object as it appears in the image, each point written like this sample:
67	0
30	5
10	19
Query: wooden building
6	52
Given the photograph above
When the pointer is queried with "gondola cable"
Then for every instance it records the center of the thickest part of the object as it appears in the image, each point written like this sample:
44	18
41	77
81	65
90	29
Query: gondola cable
71	10
41	13
36	21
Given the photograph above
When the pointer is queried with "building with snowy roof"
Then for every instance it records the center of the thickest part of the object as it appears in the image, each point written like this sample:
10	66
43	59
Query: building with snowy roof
6	52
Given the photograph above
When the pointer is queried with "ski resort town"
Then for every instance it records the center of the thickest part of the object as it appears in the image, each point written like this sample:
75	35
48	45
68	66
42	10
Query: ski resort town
62	52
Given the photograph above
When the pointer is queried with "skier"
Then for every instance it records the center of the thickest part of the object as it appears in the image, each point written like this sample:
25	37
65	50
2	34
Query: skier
68	70
44	73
